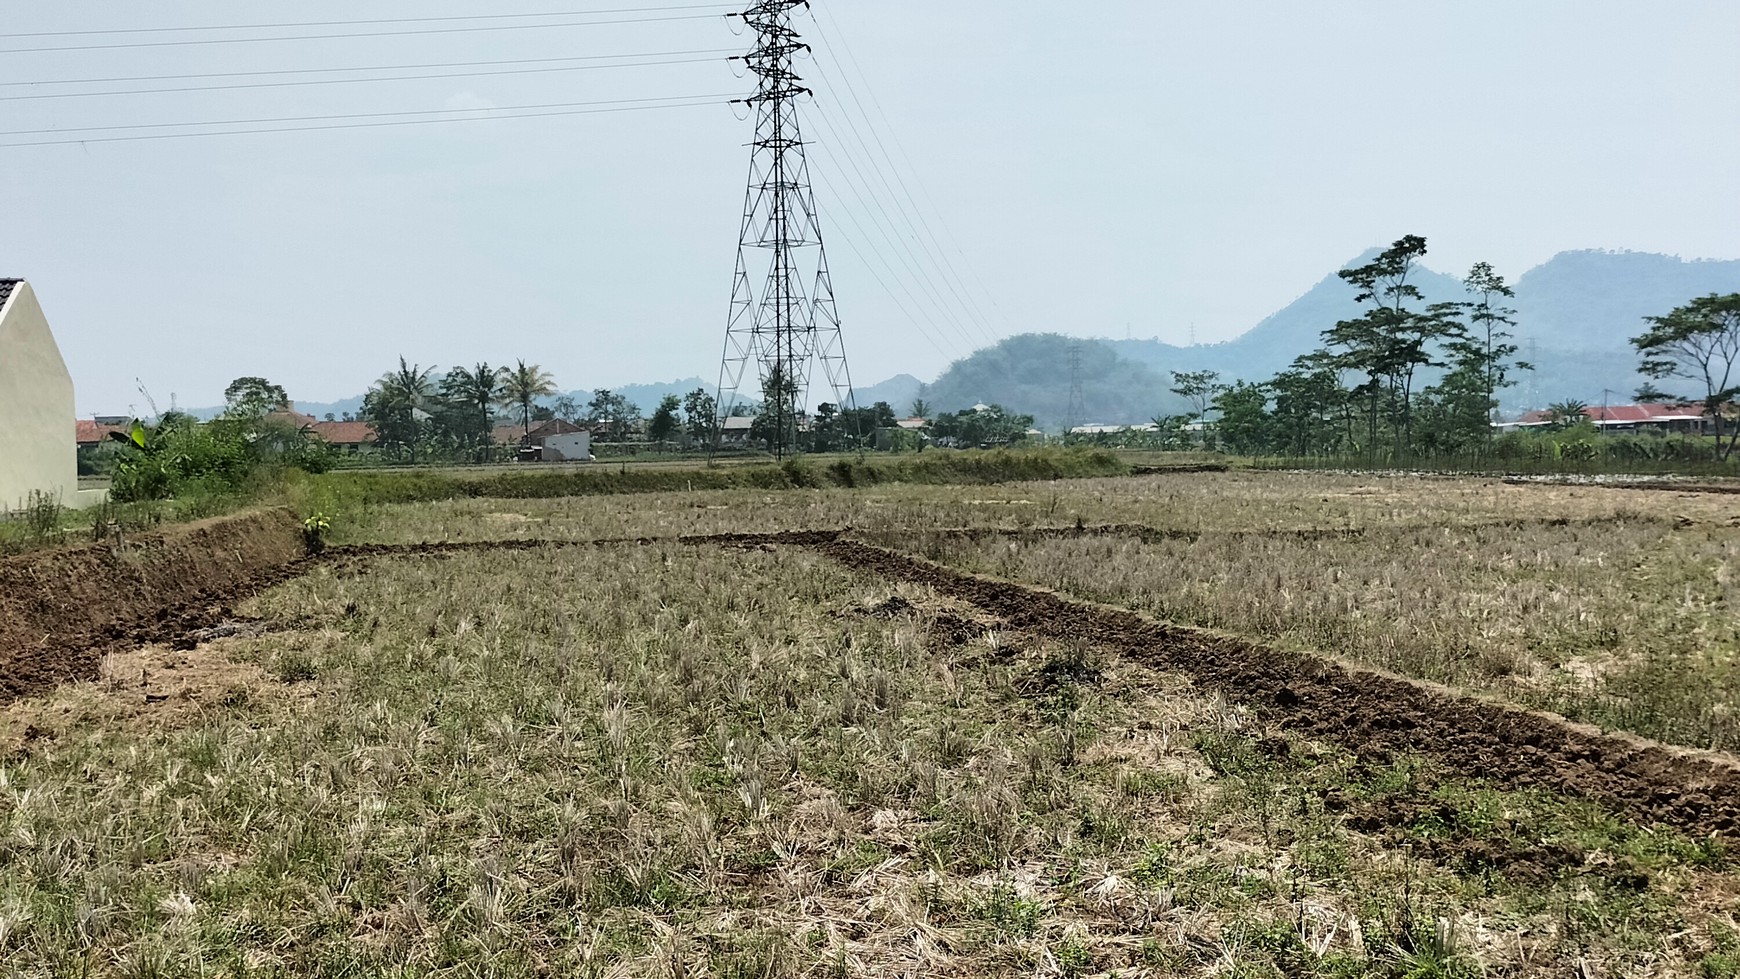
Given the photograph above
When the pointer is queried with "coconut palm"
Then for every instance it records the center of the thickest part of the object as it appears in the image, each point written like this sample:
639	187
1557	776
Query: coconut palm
393	403
474	392
523	384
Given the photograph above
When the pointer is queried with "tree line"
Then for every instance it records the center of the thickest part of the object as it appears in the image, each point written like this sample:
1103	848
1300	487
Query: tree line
419	417
1410	378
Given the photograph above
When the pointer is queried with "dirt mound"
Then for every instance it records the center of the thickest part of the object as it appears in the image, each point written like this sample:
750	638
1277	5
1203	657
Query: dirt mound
60	610
1367	710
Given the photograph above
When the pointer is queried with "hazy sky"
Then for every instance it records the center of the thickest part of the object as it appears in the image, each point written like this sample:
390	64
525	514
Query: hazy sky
1131	165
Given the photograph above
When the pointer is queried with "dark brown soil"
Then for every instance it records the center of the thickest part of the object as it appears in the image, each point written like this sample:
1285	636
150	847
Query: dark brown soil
1366	710
1207	467
1719	489
61	610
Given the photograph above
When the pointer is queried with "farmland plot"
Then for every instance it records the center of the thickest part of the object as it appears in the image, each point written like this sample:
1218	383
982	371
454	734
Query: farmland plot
786	756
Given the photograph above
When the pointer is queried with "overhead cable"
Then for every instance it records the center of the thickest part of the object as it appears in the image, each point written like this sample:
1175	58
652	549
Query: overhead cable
354	81
885	227
116	79
371	23
330	37
703	101
912	225
846	47
355	115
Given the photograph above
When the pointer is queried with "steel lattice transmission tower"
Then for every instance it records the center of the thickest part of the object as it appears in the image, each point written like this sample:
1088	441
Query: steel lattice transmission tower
791	322
1076	413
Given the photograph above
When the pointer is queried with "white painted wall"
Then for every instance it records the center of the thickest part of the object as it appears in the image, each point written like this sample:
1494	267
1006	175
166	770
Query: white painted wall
575	447
38	429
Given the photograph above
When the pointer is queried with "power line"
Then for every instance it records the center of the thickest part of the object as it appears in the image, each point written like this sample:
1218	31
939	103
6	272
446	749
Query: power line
353	81
934	332
369	23
845	45
911	224
323	118
709	100
330	37
867	199
320	71
329	117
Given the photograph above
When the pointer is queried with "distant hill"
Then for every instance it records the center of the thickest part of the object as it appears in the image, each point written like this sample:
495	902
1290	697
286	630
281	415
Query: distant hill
1579	310
1031	374
899	391
647	396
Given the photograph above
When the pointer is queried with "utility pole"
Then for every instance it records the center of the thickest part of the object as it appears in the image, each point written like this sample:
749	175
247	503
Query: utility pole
792	321
1076	413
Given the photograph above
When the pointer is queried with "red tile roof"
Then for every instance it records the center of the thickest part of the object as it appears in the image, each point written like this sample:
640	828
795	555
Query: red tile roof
91	433
343	433
1625	414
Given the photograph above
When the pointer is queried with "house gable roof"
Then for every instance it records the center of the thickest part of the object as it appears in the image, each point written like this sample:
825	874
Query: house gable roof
6	289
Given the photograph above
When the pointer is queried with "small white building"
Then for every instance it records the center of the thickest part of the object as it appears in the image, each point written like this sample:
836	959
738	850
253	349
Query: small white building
38	424
569	447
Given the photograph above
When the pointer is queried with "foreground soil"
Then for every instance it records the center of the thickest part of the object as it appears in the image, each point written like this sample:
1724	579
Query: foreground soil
61	610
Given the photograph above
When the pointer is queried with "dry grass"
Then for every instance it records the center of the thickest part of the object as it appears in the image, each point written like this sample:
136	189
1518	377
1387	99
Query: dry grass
1627	622
682	762
1239	501
673	761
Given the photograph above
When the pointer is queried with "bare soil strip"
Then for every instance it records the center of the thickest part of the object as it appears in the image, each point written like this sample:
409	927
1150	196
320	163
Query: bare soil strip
1659	486
60	611
1366	710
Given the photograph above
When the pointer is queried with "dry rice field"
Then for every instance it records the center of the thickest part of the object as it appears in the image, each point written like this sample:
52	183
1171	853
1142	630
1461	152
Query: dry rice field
1212	724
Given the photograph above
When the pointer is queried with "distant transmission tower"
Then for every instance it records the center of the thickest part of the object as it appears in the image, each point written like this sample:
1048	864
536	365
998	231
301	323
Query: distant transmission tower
1076	414
792	321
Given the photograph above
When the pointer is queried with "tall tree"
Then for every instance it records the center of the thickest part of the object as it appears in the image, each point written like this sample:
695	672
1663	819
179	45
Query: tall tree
392	406
921	409
254	397
472	395
522	385
664	424
1491	325
701	415
611	412
778	425
1199	388
1699	342
1393	339
1244	418
1308	395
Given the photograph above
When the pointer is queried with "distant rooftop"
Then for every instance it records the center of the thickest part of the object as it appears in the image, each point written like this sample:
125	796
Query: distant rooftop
6	287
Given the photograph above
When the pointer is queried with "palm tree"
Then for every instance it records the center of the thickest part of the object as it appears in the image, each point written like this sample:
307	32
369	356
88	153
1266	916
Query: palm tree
476	390
1567	413
523	384
392	404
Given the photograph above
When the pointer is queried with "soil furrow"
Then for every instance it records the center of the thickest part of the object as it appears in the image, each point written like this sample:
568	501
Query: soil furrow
1367	710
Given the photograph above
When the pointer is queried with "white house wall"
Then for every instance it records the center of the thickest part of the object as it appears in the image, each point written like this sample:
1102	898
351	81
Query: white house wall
38	428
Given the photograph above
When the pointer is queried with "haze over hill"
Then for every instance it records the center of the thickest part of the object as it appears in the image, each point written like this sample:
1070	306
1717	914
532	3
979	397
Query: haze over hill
1578	311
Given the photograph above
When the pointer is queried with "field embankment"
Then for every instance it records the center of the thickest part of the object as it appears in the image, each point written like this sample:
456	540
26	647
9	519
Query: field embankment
59	608
934	468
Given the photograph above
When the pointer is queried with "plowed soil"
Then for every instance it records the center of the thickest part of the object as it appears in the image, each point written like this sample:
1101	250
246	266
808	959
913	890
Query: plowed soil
61	610
1366	710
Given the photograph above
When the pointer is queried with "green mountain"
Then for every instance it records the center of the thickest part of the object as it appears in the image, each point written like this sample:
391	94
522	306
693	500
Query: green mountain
1031	374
